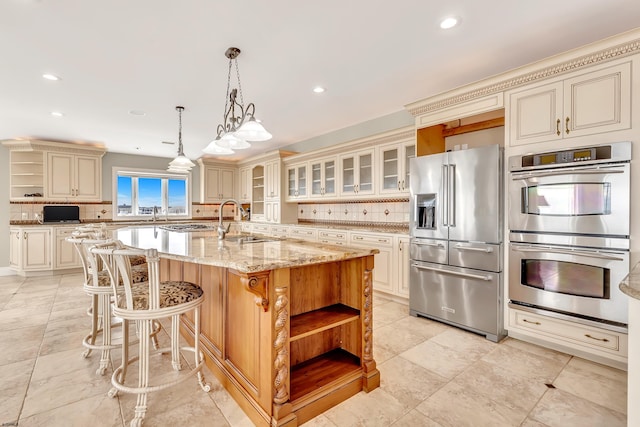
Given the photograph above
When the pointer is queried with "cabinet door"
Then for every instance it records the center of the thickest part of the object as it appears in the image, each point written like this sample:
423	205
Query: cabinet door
383	271
597	102
534	114
15	248
227	183
36	252
60	177
316	179
245	185
329	177
365	173
390	170
297	182
272	173
66	256
302	181
409	153
272	212
88	180
348	168
211	184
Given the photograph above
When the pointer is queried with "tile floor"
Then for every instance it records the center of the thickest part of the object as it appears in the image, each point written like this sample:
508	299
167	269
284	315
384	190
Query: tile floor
432	375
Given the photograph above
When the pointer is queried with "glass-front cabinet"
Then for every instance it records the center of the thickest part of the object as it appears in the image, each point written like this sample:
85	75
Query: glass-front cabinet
297	182
394	170
357	173
323	177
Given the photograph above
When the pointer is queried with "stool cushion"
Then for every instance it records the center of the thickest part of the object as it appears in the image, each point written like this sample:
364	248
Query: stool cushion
137	259
139	273
172	293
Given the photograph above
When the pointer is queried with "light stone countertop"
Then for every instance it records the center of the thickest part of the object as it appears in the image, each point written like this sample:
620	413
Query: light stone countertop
203	247
631	284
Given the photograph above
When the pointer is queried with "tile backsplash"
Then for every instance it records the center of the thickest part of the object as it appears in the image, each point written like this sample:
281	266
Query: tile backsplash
374	212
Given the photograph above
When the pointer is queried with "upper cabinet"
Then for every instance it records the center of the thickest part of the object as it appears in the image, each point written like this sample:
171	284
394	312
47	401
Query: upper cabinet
217	182
393	167
272	179
357	173
323	177
74	177
297	182
257	192
244	196
583	104
54	171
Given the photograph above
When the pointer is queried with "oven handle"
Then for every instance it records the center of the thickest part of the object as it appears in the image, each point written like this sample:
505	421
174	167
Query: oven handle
468	248
454	273
592	171
563	252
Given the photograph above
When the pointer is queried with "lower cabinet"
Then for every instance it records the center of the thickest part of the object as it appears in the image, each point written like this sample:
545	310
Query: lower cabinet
601	345
30	248
402	265
66	255
383	277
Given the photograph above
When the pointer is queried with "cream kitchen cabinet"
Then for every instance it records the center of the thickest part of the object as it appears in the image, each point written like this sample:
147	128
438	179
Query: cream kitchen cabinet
297	182
393	170
401	247
65	254
272	180
244	196
383	273
586	103
30	248
217	183
257	192
73	177
357	173
26	175
323	178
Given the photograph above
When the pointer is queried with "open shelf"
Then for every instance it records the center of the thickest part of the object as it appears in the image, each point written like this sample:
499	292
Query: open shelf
321	371
320	320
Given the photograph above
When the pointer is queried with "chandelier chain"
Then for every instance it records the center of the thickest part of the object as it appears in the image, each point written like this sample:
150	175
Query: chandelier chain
239	85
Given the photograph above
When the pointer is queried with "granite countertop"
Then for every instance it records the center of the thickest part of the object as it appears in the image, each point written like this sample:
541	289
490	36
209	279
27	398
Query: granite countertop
203	247
631	284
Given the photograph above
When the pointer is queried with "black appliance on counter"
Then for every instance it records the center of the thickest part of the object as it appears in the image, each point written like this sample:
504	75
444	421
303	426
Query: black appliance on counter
61	214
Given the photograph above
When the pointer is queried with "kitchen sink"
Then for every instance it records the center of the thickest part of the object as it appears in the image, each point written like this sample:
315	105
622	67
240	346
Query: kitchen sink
187	227
248	239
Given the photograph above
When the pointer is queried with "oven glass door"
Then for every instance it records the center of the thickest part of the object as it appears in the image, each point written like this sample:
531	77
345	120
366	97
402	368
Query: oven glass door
585	200
573	280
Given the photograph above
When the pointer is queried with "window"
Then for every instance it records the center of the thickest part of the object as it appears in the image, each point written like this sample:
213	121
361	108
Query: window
137	193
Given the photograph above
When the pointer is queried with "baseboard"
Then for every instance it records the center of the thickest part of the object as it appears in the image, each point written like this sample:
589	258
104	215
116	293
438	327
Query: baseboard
7	271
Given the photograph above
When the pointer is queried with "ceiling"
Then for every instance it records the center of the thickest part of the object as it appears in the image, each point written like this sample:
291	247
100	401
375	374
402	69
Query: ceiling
372	56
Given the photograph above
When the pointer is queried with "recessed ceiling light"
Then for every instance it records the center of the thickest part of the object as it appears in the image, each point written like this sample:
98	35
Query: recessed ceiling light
449	22
137	112
318	89
57	114
52	77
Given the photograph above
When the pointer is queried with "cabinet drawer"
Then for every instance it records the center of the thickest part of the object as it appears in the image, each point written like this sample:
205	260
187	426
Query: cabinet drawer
566	330
359	239
304	233
278	230
340	236
260	228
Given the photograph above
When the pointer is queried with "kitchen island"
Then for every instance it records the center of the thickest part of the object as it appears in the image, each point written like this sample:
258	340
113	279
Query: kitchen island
286	325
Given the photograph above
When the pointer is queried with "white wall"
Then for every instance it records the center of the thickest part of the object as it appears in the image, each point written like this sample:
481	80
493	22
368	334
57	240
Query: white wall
4	205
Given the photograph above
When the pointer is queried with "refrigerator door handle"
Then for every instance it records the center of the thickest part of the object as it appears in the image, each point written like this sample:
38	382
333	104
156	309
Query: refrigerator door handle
444	203
434	245
452	195
452	272
472	249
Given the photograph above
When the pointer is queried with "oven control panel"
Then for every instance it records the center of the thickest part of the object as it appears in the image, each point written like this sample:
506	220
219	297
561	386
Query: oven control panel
614	152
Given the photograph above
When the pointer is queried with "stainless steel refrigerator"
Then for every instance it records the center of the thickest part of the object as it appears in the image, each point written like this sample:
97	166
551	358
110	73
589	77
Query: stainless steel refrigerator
456	226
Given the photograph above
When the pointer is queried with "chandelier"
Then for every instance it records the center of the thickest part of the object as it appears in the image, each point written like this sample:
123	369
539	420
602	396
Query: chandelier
180	164
240	125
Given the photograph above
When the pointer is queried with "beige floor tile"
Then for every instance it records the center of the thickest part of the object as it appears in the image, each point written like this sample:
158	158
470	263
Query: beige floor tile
42	300
455	406
14	381
536	349
532	423
408	382
414	419
64	362
596	383
419	325
60	390
444	361
98	410
390	340
319	421
20	344
514	391
17	318
52	343
525	363
232	412
467	342
389	312
558	408
375	409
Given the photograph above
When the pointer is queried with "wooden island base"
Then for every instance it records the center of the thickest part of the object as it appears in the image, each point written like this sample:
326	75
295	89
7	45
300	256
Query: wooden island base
288	343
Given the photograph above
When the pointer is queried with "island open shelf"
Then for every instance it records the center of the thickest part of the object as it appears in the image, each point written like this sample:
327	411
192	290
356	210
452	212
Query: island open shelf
322	319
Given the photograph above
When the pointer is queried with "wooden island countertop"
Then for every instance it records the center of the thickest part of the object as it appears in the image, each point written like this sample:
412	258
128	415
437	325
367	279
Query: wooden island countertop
286	326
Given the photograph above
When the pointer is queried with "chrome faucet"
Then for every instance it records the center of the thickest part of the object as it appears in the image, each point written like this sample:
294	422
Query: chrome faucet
222	231
154	213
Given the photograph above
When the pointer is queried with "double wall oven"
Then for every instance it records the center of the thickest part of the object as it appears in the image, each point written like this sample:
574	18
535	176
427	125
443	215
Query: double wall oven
569	232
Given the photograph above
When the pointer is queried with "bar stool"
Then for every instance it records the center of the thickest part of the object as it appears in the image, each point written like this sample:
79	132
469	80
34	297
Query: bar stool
143	303
97	284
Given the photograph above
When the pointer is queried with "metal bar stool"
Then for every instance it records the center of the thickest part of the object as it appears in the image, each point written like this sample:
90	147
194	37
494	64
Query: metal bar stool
143	303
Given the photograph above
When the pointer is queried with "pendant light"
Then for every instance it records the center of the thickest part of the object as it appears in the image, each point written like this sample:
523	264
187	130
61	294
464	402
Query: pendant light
240	125
180	164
